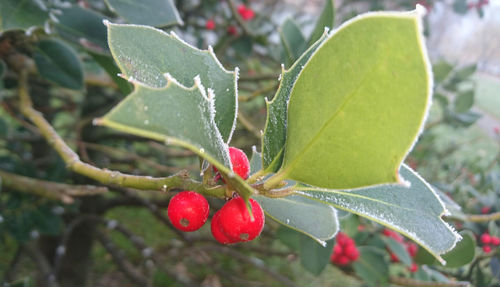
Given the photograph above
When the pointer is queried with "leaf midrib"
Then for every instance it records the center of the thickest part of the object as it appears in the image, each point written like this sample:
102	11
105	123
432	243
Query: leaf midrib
347	99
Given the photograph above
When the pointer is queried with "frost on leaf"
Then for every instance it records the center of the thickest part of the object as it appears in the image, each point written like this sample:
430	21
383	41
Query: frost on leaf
144	54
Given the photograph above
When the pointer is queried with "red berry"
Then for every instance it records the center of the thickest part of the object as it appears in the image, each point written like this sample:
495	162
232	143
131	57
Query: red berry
344	240
342	260
496	130
485	238
232	30
210	24
393	234
337	249
485	209
351	252
245	12
241	165
487	249
188	211
236	223
394	258
412	249
217	232
413	268
495	240
239	160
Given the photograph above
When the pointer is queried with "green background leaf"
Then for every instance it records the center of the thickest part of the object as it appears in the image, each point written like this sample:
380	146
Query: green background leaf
398	249
21	14
371	266
415	211
292	40
273	140
158	13
326	19
313	256
57	62
354	113
144	54
462	254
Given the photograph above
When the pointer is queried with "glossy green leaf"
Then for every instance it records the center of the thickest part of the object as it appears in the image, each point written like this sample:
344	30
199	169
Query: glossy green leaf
22	14
273	140
371	266
398	249
58	62
464	101
292	40
313	256
354	113
414	211
295	211
326	20
145	54
82	26
158	13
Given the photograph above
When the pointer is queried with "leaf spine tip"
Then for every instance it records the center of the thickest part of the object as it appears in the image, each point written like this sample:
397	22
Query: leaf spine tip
420	10
106	22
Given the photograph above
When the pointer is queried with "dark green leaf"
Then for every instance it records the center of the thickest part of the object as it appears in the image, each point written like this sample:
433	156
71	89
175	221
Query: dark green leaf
371	266
441	70
83	27
495	267
464	101
22	14
398	249
466	119
460	6
157	13
292	40
57	62
462	254
314	256
326	19
289	237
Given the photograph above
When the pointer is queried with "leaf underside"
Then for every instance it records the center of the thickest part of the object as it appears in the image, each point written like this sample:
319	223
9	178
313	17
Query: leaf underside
358	105
415	211
145	54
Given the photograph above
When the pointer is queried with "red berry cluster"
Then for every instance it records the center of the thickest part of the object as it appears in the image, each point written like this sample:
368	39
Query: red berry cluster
246	13
489	242
188	210
233	223
411	247
478	4
344	251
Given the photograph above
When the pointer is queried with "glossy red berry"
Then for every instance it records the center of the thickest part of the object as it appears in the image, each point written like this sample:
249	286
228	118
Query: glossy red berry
241	165
412	249
485	238
394	235
210	24
235	220
485	209
344	251
217	232
352	252
394	258
246	13
495	240
232	30
188	211
487	249
413	268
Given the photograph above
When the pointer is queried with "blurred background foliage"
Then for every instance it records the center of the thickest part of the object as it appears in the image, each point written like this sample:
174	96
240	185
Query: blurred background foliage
123	238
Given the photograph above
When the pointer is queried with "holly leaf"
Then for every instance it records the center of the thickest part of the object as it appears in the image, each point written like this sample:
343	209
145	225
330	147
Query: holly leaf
144	54
354	113
371	266
176	115
273	140
292	40
326	20
22	15
158	13
414	211
57	62
294	211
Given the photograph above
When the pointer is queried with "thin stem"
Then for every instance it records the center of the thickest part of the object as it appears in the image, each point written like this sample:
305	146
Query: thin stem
240	20
73	162
56	191
417	283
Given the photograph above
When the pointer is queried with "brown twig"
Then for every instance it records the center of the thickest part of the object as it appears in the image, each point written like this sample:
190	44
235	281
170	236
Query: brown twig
408	282
73	162
52	190
248	125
